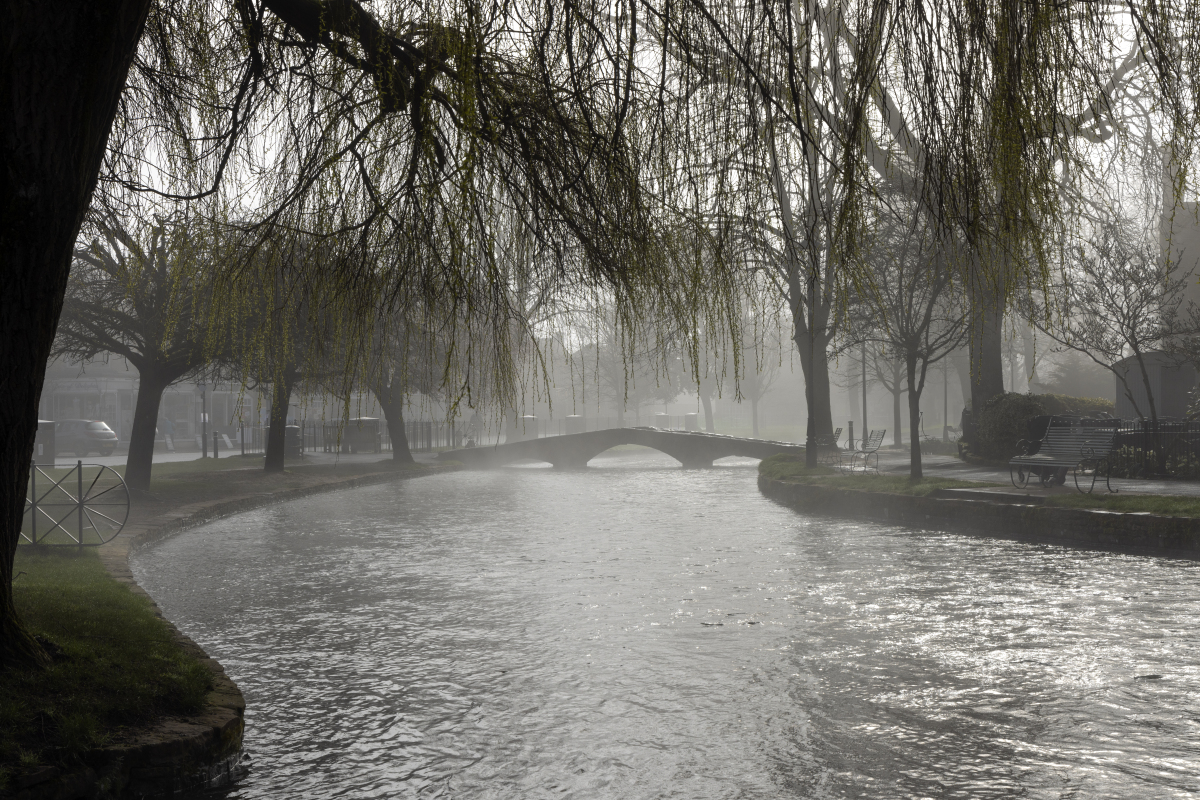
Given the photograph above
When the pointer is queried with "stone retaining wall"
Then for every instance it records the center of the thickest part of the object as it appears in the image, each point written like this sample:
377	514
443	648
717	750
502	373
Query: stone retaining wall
178	754
1090	529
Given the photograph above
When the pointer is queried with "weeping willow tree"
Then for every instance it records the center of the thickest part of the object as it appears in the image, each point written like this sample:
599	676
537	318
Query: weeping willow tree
378	129
980	112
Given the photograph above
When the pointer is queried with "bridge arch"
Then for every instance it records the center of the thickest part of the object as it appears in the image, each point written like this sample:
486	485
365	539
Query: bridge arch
573	451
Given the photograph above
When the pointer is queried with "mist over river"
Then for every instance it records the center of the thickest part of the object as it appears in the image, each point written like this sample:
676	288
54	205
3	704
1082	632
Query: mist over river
640	631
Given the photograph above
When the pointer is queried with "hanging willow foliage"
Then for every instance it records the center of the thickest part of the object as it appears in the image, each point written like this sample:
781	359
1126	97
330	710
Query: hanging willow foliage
983	112
623	139
411	140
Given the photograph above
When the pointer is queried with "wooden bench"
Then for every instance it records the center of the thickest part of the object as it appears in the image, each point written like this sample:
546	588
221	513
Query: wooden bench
867	448
1079	448
827	447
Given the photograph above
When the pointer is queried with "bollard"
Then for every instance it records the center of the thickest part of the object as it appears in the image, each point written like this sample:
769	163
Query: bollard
215	445
850	435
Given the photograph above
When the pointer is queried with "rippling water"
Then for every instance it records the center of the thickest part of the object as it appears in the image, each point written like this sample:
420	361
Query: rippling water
637	630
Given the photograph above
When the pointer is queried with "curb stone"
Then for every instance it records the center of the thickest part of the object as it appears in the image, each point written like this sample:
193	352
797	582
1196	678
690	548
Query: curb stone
1115	531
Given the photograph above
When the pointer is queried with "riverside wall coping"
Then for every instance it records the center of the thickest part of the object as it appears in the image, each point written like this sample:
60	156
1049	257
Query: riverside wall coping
178	754
1094	529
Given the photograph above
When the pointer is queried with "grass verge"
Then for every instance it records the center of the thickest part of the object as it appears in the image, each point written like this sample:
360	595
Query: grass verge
1164	504
115	663
785	467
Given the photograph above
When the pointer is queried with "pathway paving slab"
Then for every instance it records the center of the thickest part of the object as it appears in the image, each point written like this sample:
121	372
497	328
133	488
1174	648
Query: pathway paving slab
951	467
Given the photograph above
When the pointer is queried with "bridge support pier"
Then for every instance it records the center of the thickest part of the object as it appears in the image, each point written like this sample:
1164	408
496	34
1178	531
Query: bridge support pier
696	462
570	462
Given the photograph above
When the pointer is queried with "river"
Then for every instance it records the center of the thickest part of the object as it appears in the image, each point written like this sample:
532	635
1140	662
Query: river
640	631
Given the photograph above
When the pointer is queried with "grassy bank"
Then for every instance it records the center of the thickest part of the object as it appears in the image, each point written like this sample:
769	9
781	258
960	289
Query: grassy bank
116	666
788	468
115	663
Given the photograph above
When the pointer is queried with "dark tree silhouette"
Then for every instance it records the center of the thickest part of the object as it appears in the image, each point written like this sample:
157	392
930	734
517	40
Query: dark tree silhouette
141	294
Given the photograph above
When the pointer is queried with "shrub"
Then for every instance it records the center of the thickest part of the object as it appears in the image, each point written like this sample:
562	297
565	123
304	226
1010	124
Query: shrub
1081	406
1003	421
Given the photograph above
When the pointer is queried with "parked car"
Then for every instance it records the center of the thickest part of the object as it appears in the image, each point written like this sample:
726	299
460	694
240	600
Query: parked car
83	436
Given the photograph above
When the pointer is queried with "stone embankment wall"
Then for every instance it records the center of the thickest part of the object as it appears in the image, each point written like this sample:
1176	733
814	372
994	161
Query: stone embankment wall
1099	530
178	754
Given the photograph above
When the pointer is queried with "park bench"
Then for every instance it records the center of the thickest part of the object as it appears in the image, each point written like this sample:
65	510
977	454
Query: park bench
861	456
827	447
1080	448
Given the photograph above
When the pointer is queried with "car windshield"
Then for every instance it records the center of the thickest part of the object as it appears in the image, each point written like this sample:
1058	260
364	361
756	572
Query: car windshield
97	426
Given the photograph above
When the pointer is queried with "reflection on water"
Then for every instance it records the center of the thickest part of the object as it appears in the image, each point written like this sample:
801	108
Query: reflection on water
637	630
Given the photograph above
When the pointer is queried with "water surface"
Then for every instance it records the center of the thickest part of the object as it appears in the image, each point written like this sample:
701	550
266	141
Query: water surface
637	630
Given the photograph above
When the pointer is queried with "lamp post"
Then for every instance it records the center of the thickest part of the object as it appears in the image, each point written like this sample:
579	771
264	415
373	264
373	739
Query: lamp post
203	423
864	390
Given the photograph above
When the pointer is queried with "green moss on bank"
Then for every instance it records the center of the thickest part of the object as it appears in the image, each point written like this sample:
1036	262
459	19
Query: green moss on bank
1166	505
785	467
115	664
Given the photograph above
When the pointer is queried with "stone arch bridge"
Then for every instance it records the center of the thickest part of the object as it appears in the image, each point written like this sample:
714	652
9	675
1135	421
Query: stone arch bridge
573	451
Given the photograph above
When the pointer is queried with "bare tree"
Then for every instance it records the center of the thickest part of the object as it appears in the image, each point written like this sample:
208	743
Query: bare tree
141	291
408	355
1123	299
921	311
889	371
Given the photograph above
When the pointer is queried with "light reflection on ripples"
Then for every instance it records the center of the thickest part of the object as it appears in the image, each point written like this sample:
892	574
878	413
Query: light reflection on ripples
637	630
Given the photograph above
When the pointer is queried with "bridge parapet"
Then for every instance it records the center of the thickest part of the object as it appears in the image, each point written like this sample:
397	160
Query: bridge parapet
690	448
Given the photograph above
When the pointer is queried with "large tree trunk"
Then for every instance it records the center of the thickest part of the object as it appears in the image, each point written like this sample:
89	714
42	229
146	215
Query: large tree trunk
915	471
62	68
706	402
962	367
391	400
897	417
987	357
281	397
140	461
816	378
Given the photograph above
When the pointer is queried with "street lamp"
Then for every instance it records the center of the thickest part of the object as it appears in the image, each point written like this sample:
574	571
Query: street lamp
203	423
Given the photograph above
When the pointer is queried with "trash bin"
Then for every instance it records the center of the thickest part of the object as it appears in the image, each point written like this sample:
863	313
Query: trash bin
292	443
361	435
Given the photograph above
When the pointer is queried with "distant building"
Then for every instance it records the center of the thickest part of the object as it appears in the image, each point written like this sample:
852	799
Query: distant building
106	389
1172	377
1171	381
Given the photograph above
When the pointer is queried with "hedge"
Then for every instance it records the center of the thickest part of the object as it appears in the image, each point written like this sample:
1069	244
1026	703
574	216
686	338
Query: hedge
1002	422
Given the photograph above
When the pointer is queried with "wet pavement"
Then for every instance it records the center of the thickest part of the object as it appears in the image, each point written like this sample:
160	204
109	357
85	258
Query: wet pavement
952	467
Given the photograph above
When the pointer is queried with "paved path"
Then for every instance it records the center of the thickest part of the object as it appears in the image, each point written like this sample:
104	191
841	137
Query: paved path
951	467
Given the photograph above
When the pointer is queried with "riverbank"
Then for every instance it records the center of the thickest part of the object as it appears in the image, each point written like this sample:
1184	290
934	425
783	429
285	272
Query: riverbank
1142	523
159	749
